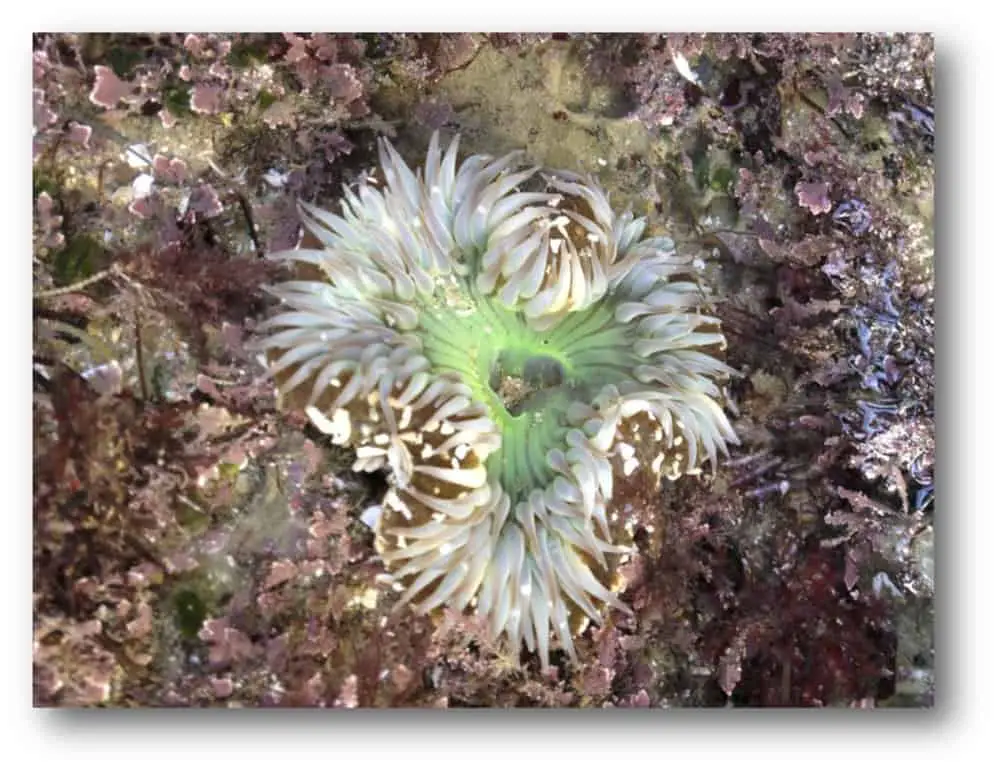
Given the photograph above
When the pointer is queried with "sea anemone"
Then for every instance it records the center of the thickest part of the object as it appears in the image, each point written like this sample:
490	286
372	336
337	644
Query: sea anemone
508	349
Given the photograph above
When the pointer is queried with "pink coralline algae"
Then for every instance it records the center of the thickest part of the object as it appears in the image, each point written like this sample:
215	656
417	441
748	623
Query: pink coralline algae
814	197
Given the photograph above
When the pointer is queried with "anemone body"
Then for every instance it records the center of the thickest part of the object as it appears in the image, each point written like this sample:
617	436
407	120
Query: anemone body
506	348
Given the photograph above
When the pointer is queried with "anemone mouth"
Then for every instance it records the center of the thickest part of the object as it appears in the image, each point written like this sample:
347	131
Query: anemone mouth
523	381
506	355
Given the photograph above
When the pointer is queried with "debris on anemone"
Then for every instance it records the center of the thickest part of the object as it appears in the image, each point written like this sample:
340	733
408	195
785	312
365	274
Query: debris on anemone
508	349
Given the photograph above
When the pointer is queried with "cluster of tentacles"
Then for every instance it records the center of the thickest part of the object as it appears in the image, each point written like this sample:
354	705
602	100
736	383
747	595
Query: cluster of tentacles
505	347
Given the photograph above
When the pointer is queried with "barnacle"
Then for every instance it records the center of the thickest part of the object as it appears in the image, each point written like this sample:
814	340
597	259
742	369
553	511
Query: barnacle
505	347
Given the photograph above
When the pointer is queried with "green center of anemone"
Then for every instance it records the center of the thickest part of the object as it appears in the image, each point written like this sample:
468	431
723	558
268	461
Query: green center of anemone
527	379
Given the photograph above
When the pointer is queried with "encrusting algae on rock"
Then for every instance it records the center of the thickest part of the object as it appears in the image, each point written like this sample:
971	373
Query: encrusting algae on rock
506	347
